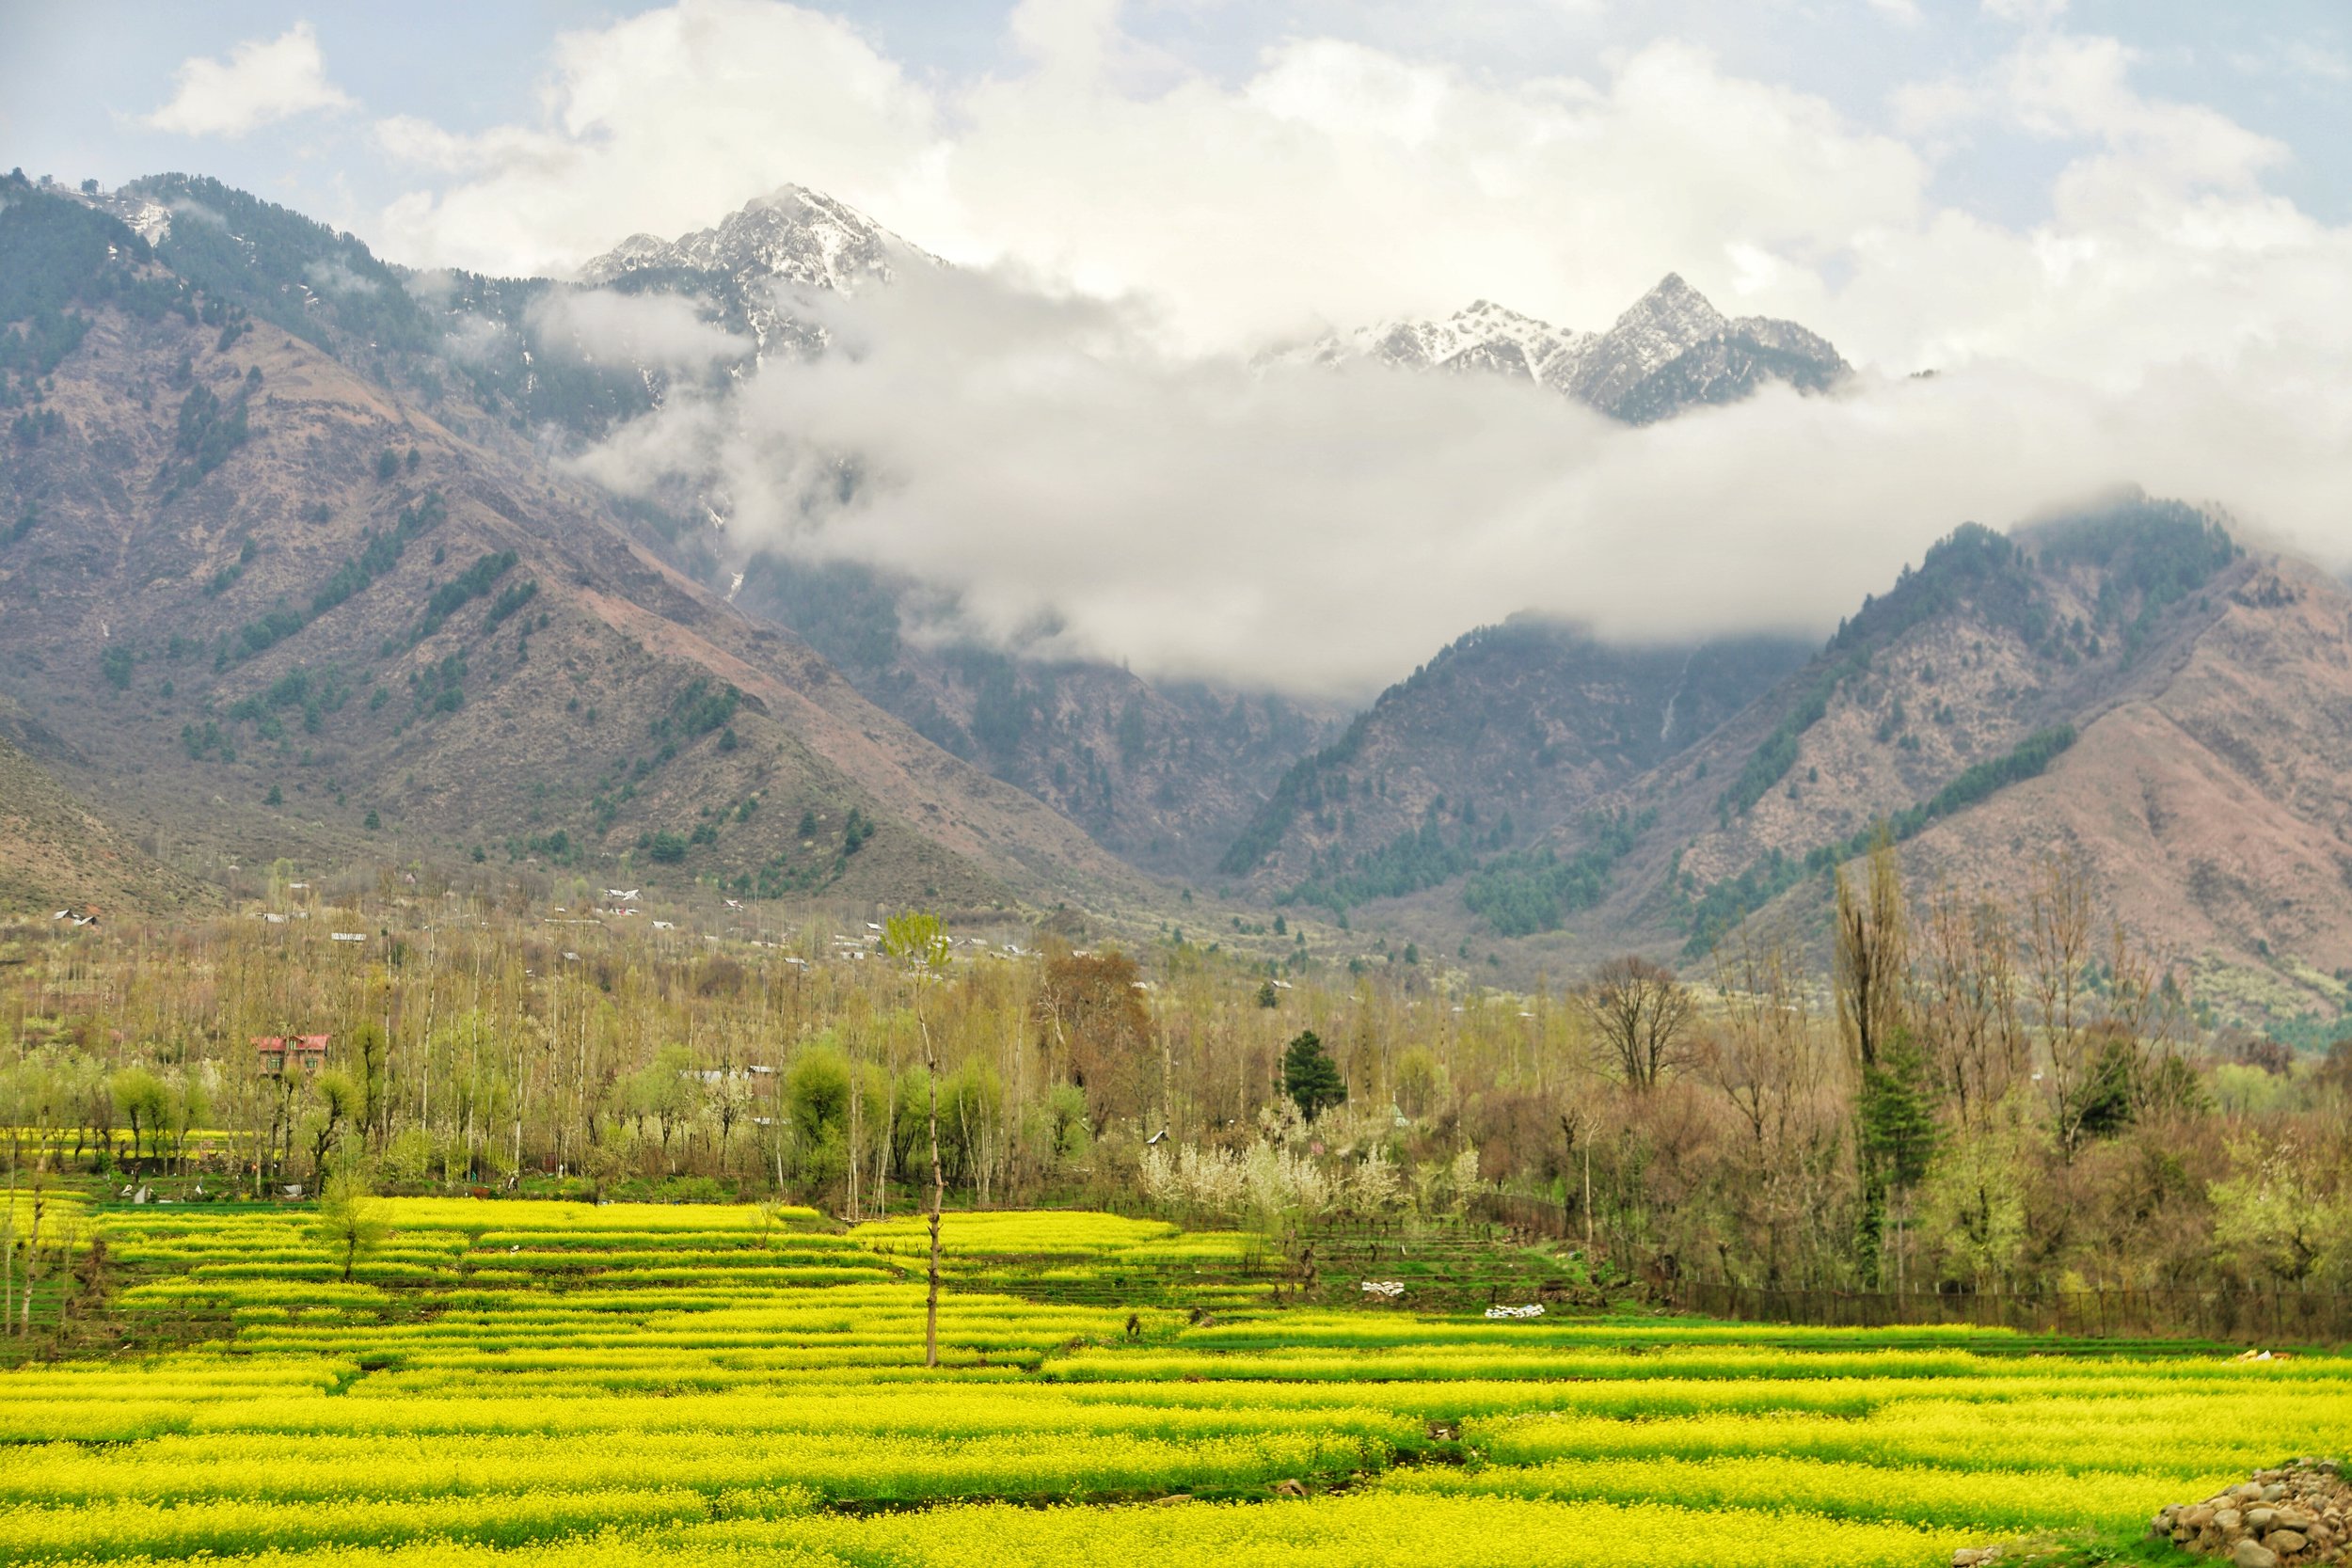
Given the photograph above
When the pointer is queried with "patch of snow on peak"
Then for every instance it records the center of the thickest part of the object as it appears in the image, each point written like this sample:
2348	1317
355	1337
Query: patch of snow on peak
1662	327
792	235
1481	337
1670	351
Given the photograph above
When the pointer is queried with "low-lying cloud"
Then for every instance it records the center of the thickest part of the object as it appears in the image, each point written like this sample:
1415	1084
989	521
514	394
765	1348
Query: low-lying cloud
334	278
663	331
1078	472
1075	489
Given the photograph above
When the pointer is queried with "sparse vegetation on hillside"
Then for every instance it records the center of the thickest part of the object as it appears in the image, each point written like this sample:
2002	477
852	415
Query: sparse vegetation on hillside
702	707
55	254
469	585
54	852
211	428
1770	762
1711	914
379	553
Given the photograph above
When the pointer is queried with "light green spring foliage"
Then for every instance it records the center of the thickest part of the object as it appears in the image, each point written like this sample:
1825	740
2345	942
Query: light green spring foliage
916	939
520	1384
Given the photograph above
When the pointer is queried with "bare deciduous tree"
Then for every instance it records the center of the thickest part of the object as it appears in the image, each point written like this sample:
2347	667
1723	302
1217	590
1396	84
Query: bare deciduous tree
1641	1012
1764	1058
1966	1005
1770	1060
2146	1011
2058	950
1873	955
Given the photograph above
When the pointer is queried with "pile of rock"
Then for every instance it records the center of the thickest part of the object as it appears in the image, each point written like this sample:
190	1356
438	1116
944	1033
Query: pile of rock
2283	1518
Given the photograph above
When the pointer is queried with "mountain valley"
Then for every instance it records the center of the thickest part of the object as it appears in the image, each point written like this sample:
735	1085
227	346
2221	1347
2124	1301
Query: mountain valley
297	563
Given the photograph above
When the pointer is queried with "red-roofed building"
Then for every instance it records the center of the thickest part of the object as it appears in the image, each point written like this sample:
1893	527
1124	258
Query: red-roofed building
303	1050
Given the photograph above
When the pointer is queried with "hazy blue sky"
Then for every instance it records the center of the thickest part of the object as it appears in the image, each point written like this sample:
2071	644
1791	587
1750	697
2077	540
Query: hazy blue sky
76	78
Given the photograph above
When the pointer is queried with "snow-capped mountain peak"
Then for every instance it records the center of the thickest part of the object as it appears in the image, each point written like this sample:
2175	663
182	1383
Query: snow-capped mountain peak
638	250
791	236
1659	327
1673	309
1670	350
1483	336
792	240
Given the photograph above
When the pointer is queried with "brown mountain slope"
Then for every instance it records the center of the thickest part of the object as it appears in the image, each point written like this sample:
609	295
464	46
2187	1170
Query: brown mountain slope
1510	735
207	620
55	854
2213	808
1161	774
2127	685
2121	688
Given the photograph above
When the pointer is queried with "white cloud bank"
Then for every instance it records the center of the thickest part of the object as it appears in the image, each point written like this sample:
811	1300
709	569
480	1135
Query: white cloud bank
663	123
1079	492
658	330
261	82
1100	461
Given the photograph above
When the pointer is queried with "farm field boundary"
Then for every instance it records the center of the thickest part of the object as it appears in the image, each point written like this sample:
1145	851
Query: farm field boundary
516	1384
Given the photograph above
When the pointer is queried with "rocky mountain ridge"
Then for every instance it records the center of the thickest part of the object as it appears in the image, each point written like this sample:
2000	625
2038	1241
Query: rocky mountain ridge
751	262
2129	687
1669	352
273	604
282	560
1507	736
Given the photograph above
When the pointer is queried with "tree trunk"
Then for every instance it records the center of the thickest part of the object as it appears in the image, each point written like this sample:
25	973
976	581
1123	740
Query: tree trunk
1588	1208
8	1242
32	1251
939	1191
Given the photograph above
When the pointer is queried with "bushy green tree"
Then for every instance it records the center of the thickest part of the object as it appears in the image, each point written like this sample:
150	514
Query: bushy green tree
141	1099
817	1110
349	1221
1973	1208
668	1092
335	1105
1309	1077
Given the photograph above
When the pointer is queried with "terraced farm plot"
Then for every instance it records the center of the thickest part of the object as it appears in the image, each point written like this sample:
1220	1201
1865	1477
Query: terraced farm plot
542	1384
